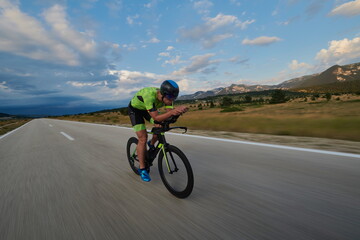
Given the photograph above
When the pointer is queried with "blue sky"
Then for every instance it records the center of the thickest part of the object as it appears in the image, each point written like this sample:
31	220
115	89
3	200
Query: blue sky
60	56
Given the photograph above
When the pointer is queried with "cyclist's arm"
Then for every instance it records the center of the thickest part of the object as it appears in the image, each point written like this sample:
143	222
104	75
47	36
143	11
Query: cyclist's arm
161	117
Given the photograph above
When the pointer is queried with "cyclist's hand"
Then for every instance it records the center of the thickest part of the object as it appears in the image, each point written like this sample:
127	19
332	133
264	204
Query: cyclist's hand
179	110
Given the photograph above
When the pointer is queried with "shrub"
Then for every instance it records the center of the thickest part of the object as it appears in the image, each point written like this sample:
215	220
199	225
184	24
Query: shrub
226	101
248	99
328	96
278	96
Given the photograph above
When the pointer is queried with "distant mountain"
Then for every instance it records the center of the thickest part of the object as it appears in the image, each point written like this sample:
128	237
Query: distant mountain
335	74
4	115
295	82
241	88
333	79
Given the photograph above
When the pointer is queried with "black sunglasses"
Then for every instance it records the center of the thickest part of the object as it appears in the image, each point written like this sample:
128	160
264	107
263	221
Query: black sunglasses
170	97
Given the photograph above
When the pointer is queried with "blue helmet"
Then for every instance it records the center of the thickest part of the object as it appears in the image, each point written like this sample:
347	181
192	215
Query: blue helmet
169	89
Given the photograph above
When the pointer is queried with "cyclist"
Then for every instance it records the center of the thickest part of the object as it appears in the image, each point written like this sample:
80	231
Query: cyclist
144	105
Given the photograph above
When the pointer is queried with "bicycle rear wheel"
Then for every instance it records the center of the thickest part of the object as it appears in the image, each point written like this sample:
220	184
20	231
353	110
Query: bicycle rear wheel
176	172
132	154
133	157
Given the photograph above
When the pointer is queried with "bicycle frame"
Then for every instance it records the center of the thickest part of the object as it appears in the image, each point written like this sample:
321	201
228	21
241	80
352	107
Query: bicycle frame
162	146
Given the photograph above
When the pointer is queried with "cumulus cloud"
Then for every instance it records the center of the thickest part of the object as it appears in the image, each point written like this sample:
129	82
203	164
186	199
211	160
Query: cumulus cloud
340	52
214	30
174	61
44	59
23	35
295	65
262	41
351	8
198	63
135	77
53	40
56	18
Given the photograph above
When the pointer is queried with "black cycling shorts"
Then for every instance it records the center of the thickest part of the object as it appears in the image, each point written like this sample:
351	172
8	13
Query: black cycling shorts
137	118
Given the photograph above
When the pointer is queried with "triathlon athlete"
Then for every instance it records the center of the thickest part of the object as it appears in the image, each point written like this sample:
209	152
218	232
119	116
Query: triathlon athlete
145	105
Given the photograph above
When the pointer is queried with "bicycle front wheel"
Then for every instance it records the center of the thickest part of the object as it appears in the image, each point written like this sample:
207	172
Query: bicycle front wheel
176	172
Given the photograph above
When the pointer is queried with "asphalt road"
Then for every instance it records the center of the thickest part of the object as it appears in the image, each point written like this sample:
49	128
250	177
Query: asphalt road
68	180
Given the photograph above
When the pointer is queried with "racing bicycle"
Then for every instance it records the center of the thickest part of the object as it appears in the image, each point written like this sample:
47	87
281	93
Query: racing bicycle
174	167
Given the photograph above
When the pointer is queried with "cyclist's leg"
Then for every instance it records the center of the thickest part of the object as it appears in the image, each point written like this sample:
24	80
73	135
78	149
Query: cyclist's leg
154	137
137	120
141	147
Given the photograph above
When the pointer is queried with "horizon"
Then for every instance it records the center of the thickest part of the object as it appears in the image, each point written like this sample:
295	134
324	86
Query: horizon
62	56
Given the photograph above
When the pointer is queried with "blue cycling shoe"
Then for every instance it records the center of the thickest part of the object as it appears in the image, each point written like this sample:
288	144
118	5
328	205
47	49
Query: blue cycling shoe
144	175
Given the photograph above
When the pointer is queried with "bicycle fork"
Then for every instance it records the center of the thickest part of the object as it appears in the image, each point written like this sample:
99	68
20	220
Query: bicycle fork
163	147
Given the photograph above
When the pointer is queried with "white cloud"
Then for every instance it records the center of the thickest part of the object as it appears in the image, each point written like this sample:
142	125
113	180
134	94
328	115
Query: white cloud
238	60
56	18
151	4
169	48
340	52
264	40
135	77
214	30
203	6
153	40
132	81
131	20
86	84
351	8
222	20
3	85
198	63
296	65
23	35
164	54
129	47
235	2
213	40
174	61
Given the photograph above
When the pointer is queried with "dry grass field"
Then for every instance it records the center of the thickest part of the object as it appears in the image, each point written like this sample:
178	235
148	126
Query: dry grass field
338	118
9	125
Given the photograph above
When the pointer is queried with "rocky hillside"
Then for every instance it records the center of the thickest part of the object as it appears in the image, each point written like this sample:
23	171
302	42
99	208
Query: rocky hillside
333	76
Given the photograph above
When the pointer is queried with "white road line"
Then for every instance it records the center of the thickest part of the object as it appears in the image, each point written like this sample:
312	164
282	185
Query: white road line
342	154
276	146
67	136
